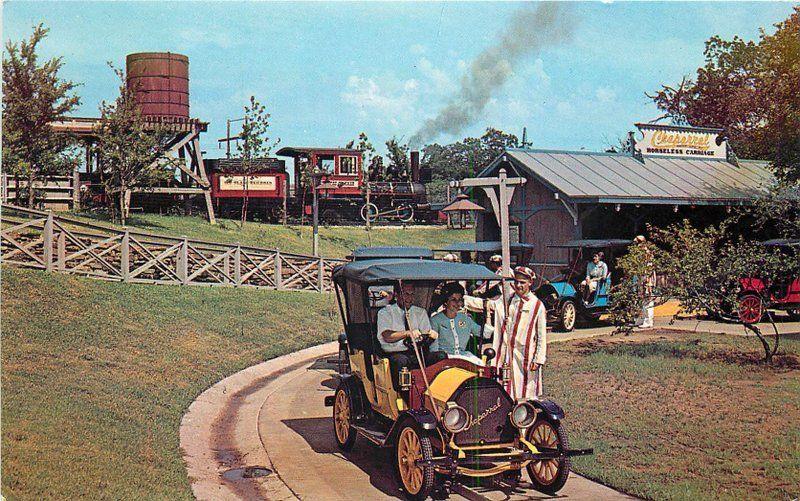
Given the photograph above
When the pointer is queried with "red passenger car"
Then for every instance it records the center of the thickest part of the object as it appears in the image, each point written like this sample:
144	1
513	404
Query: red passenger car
759	295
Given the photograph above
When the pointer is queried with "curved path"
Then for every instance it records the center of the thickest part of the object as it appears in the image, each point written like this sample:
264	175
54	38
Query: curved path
272	415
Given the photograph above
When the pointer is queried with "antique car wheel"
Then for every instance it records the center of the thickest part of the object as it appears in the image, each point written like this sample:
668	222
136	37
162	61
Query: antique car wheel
567	316
550	475
342	419
751	309
416	480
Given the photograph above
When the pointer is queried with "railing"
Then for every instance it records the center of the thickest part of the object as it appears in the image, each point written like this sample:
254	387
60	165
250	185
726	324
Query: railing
57	192
36	239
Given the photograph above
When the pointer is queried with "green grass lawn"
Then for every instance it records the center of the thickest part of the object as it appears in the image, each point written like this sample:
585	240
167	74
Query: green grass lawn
96	376
335	241
692	417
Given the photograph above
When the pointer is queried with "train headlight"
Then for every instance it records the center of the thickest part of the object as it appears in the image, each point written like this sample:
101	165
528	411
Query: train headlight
523	415
455	418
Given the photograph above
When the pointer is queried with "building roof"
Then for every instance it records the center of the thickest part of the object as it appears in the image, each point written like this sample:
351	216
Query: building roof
463	204
293	151
621	178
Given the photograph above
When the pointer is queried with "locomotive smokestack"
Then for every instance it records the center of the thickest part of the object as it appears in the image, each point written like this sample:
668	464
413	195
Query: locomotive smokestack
415	165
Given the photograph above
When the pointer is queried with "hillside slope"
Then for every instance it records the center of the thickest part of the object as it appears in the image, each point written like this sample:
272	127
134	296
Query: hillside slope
335	241
97	375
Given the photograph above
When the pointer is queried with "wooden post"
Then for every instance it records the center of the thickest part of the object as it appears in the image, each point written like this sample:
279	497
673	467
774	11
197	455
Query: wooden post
48	242
226	267
61	244
504	232
285	201
125	257
237	265
183	262
368	211
76	192
321	275
278	270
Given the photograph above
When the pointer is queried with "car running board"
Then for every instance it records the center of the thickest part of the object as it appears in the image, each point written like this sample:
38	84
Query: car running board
375	436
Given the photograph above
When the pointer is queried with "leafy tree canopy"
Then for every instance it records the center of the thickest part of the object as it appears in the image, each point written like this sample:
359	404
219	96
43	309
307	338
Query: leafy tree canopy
33	98
467	157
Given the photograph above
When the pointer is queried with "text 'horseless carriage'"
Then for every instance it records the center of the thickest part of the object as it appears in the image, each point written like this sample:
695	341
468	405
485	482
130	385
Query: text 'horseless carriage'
449	420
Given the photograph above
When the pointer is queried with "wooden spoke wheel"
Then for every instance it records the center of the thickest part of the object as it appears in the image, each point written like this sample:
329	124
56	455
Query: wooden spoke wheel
569	313
370	209
342	420
405	213
550	475
416	480
751	309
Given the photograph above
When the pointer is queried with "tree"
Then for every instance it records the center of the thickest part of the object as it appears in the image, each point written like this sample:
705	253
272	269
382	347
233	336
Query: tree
131	149
255	144
467	157
33	98
398	158
367	152
750	90
703	270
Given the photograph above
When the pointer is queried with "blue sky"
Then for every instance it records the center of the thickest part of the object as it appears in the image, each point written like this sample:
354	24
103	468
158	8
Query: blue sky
330	70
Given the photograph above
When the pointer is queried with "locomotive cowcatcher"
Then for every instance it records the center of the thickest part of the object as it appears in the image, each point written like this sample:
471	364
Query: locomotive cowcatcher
445	421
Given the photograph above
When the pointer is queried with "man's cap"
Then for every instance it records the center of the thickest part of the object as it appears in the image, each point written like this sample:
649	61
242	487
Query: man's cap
451	258
496	258
525	272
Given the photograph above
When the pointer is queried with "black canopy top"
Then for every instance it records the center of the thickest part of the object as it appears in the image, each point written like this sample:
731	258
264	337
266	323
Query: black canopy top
375	271
783	242
486	246
593	244
362	253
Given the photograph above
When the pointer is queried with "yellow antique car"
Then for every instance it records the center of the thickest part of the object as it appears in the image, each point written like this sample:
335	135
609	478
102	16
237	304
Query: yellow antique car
451	420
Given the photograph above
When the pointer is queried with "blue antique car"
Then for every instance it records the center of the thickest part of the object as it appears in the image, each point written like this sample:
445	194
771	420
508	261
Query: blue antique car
561	295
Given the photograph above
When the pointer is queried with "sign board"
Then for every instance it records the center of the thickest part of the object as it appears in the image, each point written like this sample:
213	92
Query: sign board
255	183
690	142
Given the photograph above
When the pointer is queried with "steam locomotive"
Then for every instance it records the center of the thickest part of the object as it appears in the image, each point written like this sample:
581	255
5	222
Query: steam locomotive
343	192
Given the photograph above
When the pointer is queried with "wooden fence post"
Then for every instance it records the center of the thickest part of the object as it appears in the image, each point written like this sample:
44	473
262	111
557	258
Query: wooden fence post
321	274
48	242
125	257
237	265
226	267
278	270
61	244
183	262
76	192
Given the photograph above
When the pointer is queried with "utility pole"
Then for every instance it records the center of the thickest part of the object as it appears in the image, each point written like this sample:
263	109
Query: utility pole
227	139
525	142
500	191
315	177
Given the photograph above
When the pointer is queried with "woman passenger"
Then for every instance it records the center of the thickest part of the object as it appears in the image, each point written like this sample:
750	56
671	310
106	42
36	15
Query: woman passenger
454	326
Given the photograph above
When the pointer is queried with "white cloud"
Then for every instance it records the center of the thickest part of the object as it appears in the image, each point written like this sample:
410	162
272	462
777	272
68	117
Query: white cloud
605	94
418	49
191	37
388	99
440	80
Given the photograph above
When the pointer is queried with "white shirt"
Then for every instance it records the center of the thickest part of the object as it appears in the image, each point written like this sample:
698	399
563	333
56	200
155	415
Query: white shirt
392	318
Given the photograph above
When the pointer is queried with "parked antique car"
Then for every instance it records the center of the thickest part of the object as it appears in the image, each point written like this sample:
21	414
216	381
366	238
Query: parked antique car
561	295
453	418
758	295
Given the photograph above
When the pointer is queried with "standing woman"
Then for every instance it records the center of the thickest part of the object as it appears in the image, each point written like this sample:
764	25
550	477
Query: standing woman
521	338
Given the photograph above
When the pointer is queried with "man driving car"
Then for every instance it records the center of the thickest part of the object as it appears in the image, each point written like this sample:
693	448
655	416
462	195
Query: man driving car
400	321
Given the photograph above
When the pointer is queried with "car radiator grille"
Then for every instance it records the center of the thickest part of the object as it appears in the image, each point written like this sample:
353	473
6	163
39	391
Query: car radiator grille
488	406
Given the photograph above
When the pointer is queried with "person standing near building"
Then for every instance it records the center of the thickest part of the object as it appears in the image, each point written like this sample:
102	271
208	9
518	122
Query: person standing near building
647	284
520	340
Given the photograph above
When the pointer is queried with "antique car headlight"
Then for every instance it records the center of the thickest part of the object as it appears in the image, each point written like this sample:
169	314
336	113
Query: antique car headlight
523	415
455	418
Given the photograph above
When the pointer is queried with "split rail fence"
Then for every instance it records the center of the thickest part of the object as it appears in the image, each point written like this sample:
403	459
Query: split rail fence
41	240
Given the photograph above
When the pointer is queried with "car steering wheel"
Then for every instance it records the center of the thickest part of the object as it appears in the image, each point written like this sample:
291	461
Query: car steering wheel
425	340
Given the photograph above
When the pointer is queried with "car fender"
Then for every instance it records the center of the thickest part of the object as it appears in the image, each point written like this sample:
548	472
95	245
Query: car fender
423	417
355	392
563	289
551	409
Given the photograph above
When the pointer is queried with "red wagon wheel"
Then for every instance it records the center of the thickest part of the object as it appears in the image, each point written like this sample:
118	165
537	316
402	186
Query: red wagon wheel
751	309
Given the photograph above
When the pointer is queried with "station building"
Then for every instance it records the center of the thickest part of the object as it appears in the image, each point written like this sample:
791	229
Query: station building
664	174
